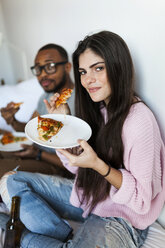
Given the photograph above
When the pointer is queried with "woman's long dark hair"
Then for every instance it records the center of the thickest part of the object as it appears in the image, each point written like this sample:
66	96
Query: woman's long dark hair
106	139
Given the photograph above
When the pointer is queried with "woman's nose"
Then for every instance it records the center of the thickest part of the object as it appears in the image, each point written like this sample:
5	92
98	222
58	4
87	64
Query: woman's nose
90	78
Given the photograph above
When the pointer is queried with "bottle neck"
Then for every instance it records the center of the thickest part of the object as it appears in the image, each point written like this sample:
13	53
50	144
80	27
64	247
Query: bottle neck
15	208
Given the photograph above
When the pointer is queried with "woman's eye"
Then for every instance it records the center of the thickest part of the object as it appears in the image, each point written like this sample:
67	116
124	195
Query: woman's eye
100	68
82	73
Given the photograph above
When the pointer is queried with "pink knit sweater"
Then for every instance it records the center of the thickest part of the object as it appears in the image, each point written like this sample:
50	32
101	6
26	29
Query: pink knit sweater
142	193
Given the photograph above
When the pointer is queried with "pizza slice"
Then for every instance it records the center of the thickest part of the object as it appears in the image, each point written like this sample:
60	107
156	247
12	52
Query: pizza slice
65	94
48	127
17	105
8	138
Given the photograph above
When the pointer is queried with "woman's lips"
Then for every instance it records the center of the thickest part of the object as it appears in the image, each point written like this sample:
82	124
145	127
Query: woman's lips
94	89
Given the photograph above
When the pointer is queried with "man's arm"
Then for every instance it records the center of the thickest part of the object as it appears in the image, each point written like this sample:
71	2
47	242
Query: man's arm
2	131
56	162
8	113
20	126
17	125
30	151
51	158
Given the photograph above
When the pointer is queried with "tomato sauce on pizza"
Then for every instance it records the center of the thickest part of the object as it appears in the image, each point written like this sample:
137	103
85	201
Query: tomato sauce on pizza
48	127
8	138
65	94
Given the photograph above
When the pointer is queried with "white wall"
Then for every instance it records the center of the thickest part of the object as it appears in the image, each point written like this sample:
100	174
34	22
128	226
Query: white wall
6	70
33	23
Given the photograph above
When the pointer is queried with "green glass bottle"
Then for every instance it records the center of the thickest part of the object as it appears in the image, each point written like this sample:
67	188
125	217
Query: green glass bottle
14	226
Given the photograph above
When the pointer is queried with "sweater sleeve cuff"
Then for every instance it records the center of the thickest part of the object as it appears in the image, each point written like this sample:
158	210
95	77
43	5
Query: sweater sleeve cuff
124	194
64	160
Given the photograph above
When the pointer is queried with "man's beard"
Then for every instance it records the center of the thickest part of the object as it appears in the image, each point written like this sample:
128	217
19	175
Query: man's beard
61	84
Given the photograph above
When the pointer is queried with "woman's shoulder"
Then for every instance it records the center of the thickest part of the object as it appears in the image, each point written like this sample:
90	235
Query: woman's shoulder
140	120
140	111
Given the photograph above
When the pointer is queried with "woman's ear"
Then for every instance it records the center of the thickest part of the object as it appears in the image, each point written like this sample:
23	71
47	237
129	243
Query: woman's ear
68	67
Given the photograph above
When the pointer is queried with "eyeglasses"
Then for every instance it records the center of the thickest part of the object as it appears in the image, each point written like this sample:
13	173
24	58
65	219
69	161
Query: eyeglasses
49	68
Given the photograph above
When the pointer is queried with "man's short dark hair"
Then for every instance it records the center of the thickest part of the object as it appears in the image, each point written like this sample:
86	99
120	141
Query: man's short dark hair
60	49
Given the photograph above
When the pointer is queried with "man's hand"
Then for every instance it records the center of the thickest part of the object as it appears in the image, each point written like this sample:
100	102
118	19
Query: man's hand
8	112
29	151
51	106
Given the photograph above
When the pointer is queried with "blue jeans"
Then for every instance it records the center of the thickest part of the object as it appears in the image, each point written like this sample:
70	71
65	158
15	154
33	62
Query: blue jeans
44	206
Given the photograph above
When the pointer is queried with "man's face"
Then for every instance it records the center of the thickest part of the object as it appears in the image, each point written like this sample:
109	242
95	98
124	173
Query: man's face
51	82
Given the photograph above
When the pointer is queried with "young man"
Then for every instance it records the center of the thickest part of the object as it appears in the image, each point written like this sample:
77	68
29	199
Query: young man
52	69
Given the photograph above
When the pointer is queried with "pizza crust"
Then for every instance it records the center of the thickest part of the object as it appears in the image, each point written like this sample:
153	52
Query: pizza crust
17	105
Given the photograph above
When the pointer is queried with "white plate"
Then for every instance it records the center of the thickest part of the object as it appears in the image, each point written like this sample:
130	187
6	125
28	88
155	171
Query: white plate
74	128
13	147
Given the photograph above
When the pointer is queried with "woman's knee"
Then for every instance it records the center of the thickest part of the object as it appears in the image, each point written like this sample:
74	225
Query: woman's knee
4	188
10	185
16	184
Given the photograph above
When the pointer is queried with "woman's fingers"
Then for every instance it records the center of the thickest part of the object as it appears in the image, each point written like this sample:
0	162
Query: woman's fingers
65	153
71	157
84	144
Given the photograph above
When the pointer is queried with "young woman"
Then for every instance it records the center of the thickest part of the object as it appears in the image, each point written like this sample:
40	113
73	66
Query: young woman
120	183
